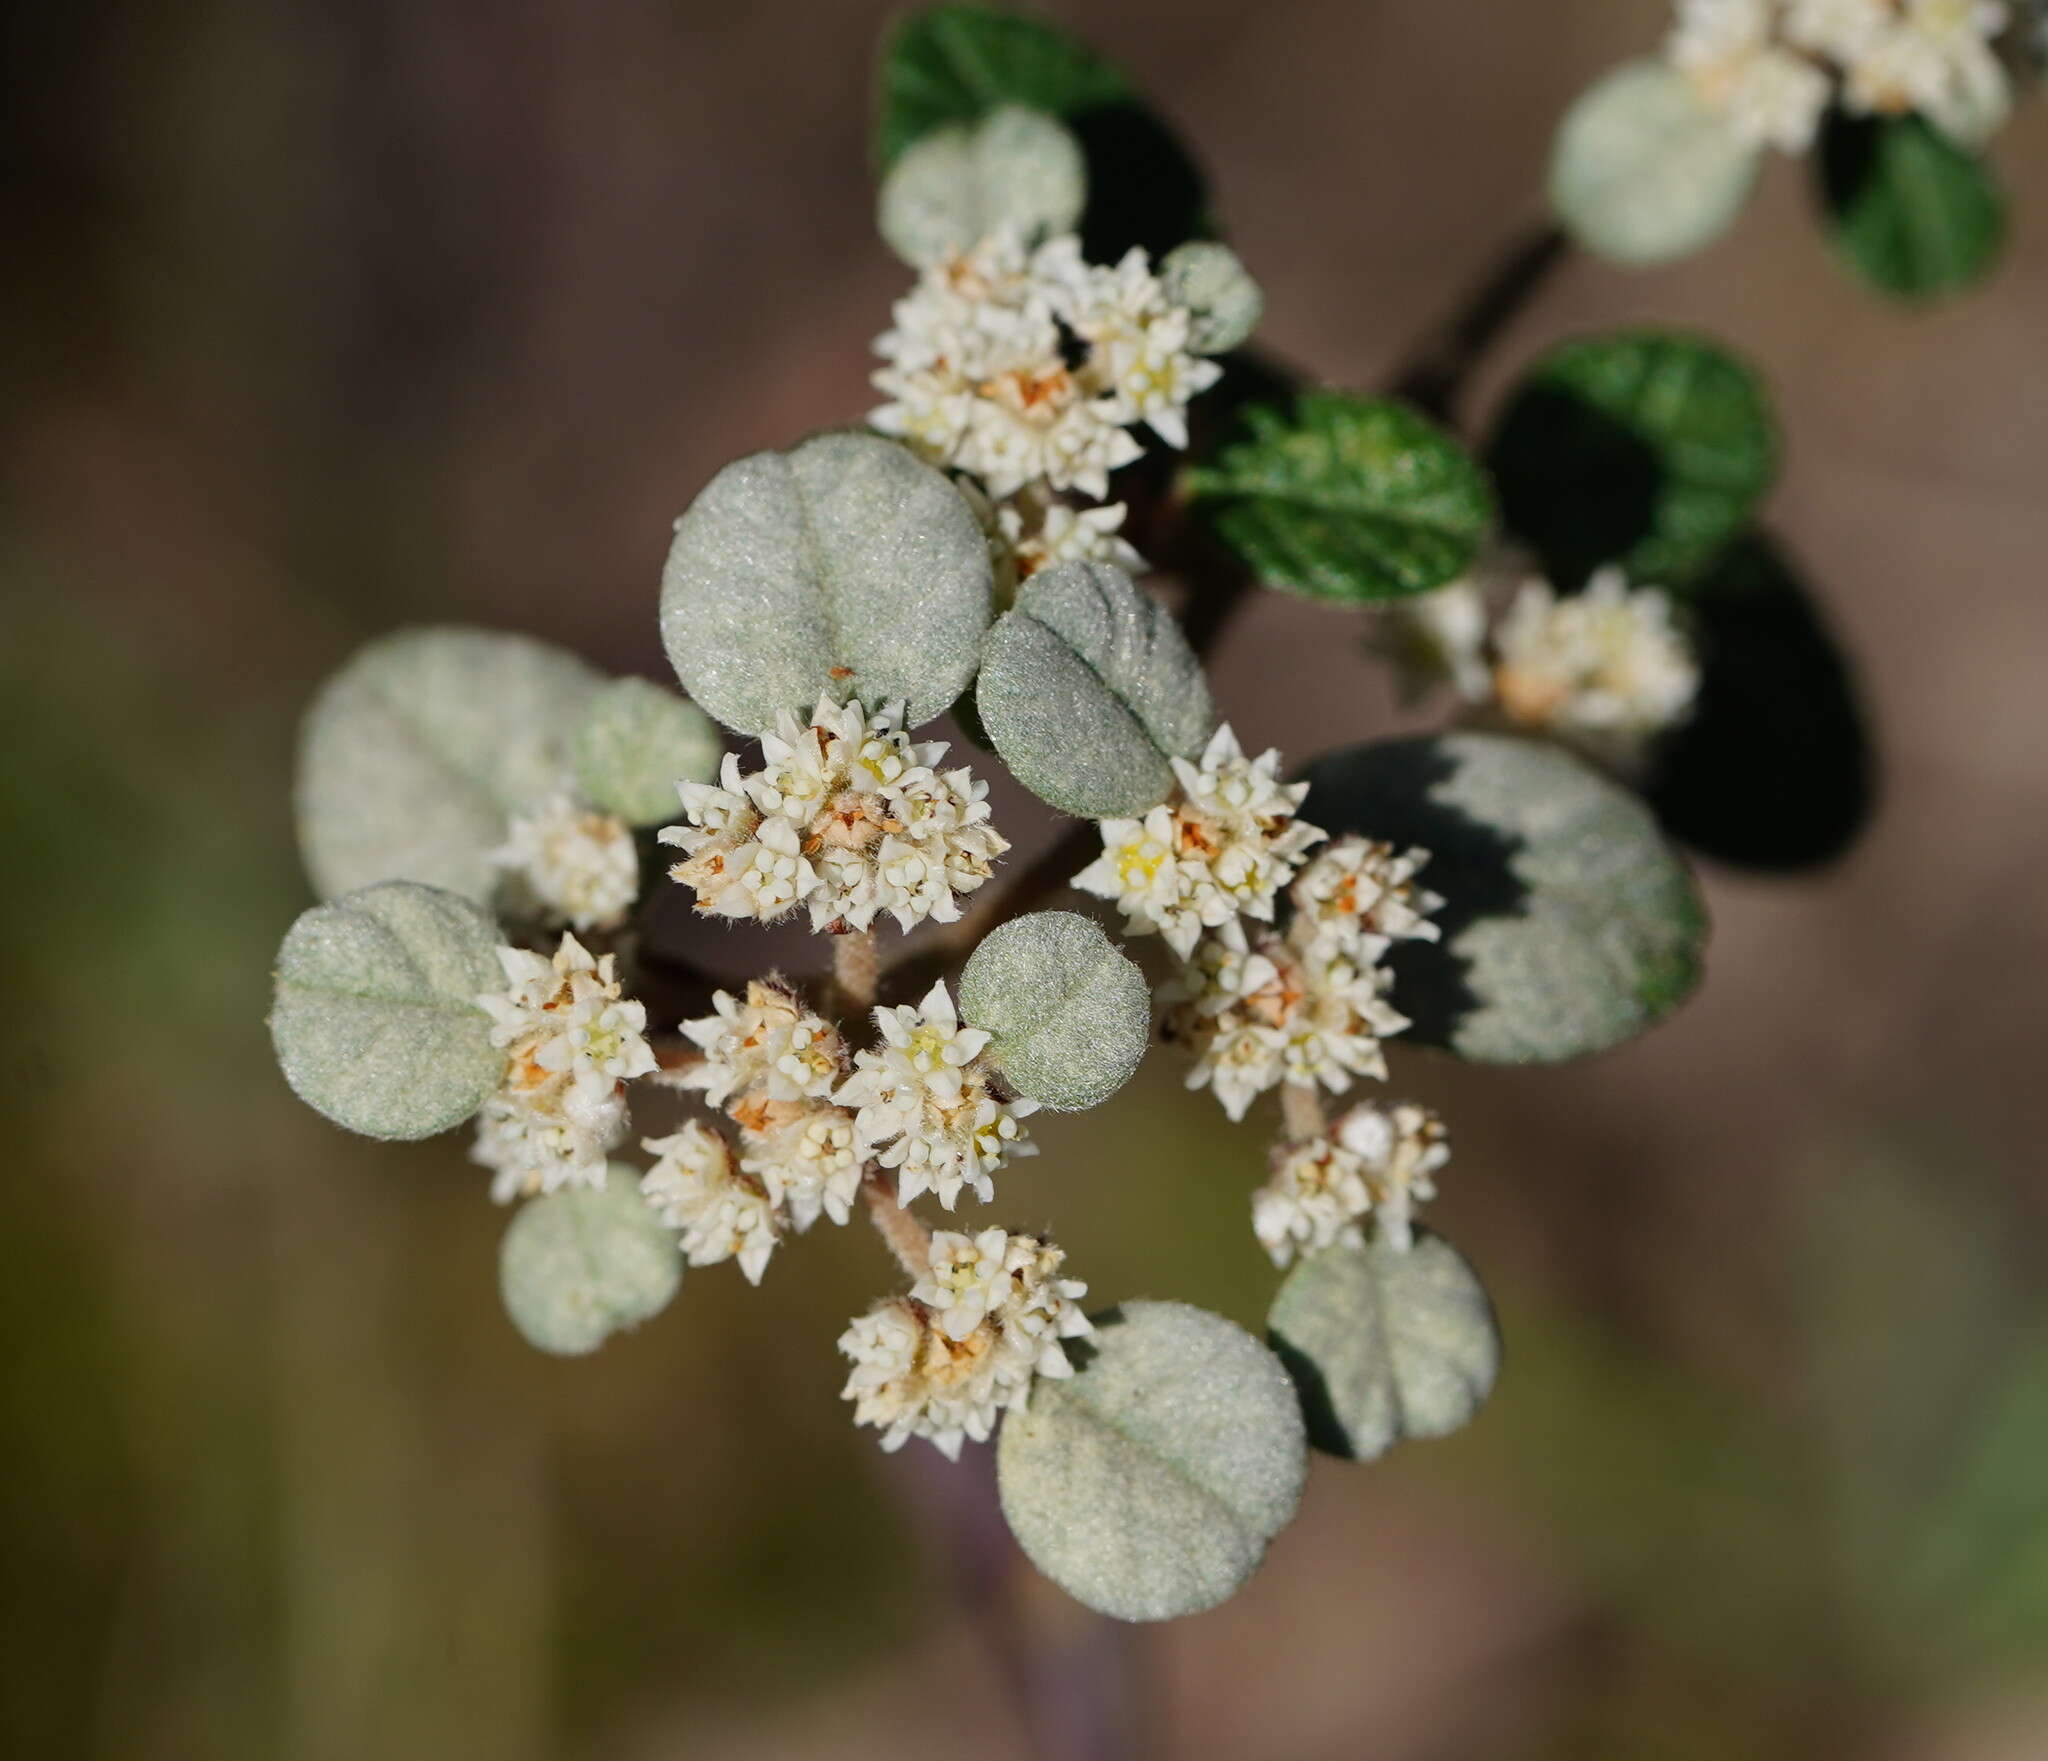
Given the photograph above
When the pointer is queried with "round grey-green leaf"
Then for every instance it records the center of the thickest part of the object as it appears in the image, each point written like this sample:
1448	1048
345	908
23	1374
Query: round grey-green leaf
1223	299
1643	172
843	568
1088	689
1571	923
637	741
584	1263
1070	1013
1384	1344
1015	167
414	754
375	1020
1148	1485
1351	499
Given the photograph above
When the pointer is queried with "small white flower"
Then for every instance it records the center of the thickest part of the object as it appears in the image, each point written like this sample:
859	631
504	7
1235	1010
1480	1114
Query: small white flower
578	863
1221	847
771	1041
1400	1147
846	816
1936	57
572	1042
1358	894
965	1346
1033	530
925	1107
1729	50
1606	669
809	1166
1028	367
1436	638
721	1213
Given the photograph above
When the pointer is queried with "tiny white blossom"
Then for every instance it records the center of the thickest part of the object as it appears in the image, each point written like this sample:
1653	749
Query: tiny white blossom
809	1166
1400	1147
1436	638
925	1106
946	1361
1606	669
572	1042
770	1040
1730	51
1221	847
1937	57
1026	367
1358	893
579	864
720	1212
1034	530
847	816
1373	1162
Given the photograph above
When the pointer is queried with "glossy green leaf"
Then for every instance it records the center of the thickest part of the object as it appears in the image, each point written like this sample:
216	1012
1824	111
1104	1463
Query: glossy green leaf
1347	498
1071	1015
1570	922
1087	690
1643	172
375	1020
1917	216
844	567
1013	168
1645	447
1384	1344
413	755
1148	1485
583	1263
636	742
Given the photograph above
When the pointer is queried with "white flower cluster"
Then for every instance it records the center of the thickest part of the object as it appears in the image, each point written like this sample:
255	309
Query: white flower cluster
986	1320
577	862
847	816
1772	66
773	1065
1031	366
928	1106
1034	530
1219	848
1606	670
1308	1006
572	1043
1375	1161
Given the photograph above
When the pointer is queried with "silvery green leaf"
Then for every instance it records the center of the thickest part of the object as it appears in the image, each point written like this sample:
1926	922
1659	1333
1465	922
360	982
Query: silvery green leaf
375	1021
956	185
583	1263
1570	923
1351	499
637	741
1384	1344
1642	171
843	567
1070	1013
1088	688
1148	1485
413	754
1214	285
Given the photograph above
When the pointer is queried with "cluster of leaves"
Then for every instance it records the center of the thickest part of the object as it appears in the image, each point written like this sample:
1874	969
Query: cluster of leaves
1149	1483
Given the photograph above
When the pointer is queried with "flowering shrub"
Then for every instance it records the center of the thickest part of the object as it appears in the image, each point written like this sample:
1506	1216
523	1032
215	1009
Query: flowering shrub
489	822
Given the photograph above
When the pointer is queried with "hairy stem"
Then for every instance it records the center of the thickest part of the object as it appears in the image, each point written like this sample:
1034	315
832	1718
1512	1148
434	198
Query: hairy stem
907	1238
1438	367
1301	1110
856	970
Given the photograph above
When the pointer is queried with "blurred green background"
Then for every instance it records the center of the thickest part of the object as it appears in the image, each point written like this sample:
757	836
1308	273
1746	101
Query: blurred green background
332	314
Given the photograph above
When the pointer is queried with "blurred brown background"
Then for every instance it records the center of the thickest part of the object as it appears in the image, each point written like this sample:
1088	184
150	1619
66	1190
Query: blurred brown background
324	315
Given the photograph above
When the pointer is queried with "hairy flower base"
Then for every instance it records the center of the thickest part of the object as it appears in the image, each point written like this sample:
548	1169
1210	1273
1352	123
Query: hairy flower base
1219	848
967	1343
1373	1162
572	1043
847	816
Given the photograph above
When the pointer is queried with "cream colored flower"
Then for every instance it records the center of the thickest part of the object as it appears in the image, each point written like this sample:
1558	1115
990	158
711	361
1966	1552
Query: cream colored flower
579	864
1359	894
721	1212
770	1040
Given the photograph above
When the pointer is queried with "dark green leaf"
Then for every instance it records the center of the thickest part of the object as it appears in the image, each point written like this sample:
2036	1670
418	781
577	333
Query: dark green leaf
1349	499
1915	215
1644	447
1774	769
